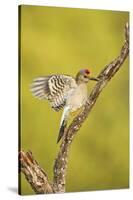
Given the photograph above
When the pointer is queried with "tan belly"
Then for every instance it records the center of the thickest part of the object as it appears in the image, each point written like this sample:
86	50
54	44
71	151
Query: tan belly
78	98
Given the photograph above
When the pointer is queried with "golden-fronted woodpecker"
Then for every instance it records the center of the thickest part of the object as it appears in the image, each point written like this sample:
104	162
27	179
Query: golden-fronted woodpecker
63	91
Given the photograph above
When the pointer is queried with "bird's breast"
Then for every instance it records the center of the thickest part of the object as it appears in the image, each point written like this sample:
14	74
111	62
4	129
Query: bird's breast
77	97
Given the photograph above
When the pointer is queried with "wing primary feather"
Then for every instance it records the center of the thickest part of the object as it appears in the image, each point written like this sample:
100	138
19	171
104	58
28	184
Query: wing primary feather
39	87
54	88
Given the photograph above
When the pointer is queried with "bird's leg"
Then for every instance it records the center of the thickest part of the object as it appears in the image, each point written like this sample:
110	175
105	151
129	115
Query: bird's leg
78	111
70	119
75	113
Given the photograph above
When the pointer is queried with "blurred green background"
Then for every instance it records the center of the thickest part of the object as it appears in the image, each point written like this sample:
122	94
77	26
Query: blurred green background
64	40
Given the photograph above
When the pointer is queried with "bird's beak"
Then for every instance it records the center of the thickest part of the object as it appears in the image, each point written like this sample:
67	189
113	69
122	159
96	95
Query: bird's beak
93	79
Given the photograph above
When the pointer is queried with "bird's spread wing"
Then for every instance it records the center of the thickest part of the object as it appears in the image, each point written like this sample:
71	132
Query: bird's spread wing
55	88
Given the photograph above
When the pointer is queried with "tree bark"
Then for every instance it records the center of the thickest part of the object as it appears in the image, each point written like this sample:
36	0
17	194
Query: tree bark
34	174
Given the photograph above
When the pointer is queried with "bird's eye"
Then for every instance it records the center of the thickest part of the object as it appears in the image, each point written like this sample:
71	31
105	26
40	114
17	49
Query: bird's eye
85	76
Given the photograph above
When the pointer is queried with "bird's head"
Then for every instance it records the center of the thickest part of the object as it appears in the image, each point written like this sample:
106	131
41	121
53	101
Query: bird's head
83	76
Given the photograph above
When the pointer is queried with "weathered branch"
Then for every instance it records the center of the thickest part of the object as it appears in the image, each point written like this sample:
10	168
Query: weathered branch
104	77
33	173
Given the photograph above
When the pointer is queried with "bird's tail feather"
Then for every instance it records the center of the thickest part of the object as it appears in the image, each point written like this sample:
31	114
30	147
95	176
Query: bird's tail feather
62	129
63	123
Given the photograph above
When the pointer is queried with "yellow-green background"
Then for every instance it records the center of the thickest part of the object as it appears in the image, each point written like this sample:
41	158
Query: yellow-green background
64	40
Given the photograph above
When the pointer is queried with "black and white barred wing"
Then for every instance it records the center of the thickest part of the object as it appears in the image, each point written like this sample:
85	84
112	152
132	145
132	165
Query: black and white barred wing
55	88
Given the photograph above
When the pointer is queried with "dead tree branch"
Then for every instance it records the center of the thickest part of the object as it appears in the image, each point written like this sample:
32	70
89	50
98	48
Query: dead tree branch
104	77
33	173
